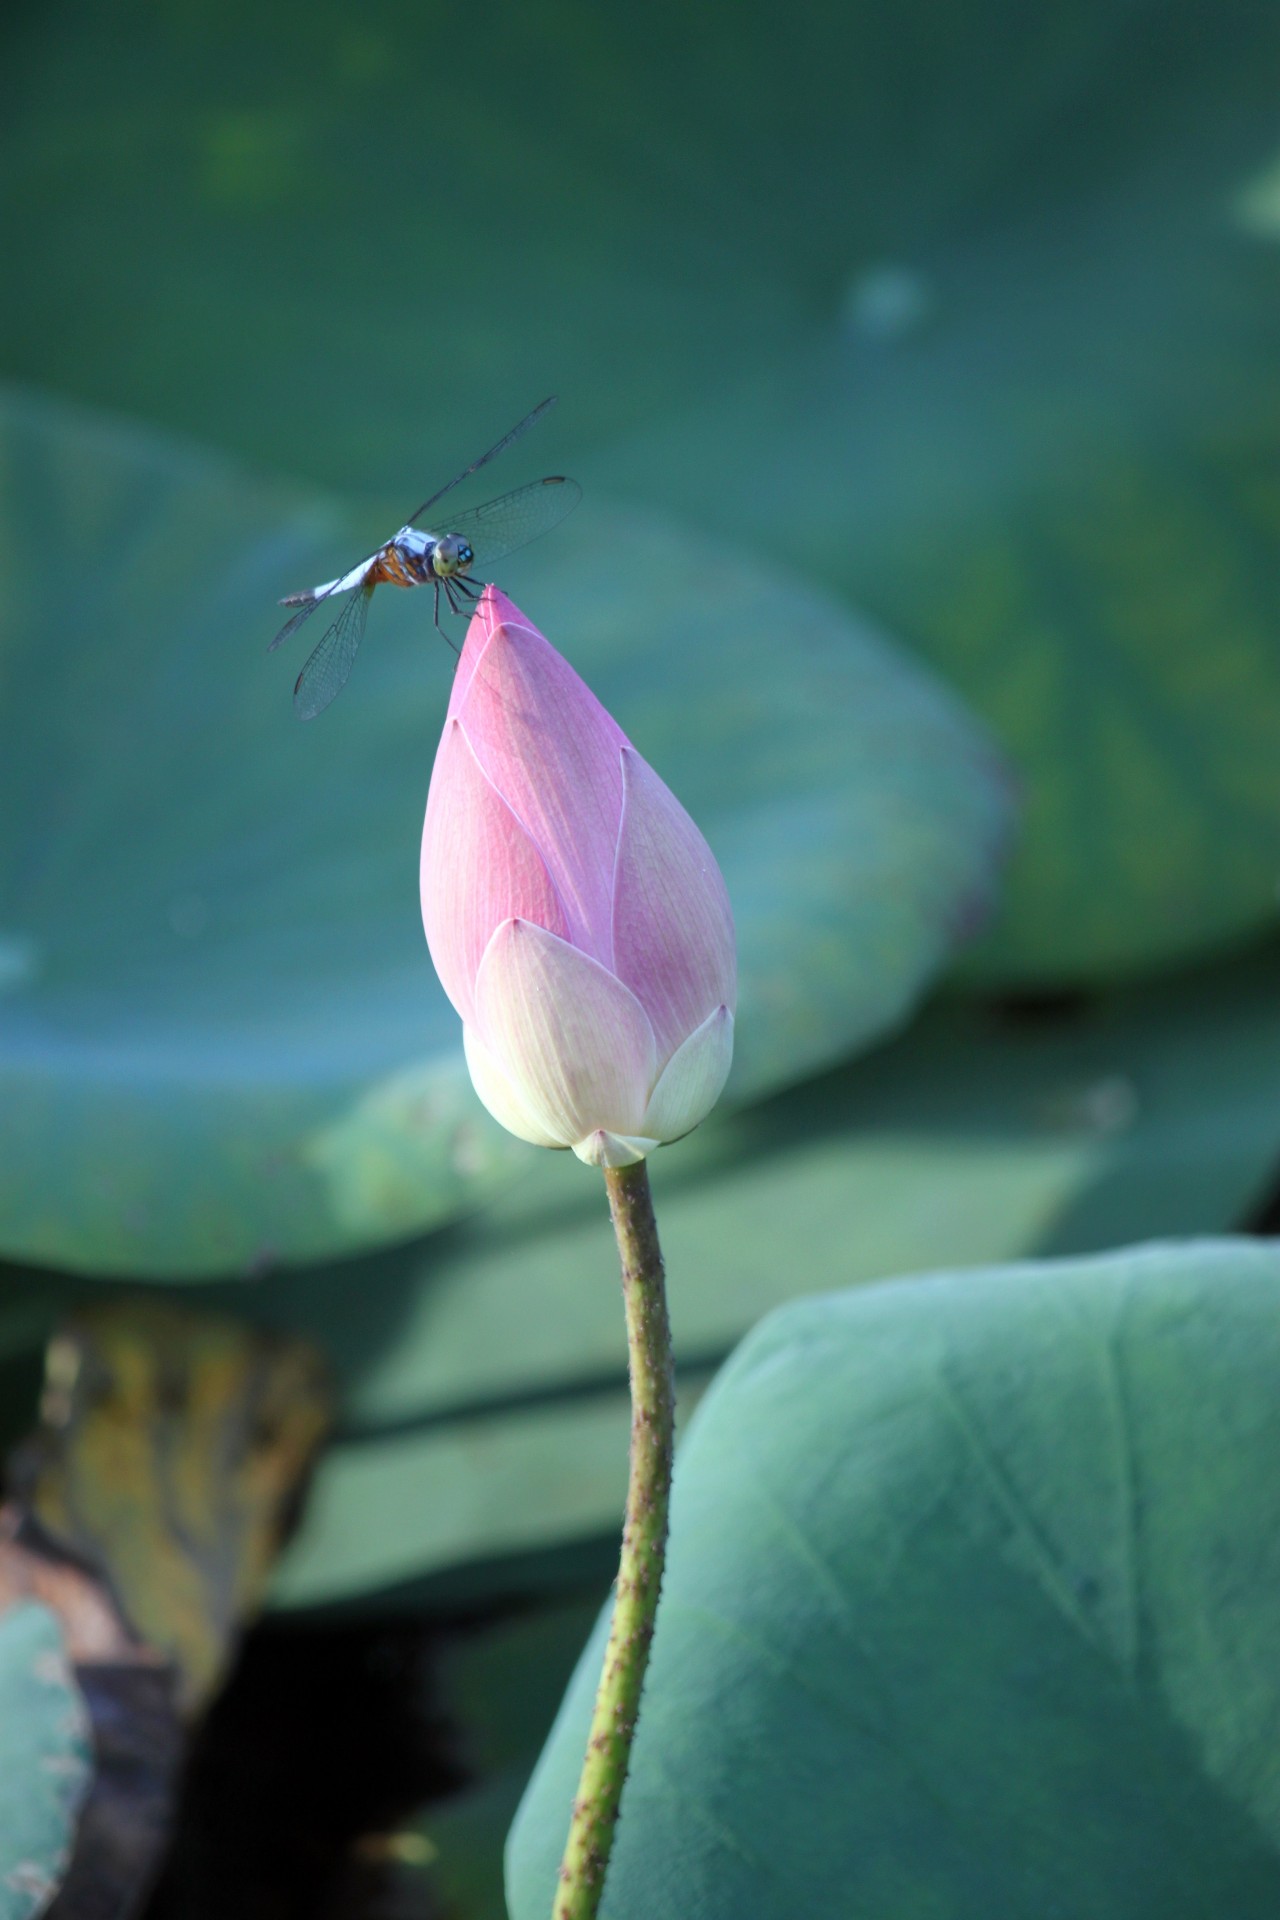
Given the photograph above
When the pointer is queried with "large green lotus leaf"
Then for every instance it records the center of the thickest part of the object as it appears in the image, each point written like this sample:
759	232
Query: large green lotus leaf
45	1766
483	1408
222	1043
971	1608
1046	457
337	239
485	1412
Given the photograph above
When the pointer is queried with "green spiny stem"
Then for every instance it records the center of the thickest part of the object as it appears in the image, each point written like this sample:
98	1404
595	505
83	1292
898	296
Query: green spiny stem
644	1543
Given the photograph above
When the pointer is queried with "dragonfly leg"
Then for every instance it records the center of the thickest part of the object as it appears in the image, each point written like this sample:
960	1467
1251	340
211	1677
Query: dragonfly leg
439	629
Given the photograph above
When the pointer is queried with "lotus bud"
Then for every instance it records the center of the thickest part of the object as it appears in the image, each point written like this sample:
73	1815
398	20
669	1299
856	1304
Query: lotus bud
576	916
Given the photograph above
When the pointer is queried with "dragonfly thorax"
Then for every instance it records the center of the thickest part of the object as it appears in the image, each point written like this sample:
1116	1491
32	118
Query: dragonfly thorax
414	557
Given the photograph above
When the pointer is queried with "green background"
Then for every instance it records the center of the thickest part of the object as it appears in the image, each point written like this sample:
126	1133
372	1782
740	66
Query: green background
920	370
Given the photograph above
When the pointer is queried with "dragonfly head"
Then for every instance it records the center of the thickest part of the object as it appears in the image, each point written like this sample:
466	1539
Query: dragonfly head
450	555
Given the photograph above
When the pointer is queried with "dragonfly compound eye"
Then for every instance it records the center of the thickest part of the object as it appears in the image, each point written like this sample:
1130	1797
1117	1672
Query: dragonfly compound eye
452	555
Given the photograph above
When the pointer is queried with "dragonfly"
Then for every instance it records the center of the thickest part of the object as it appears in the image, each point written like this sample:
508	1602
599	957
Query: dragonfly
415	558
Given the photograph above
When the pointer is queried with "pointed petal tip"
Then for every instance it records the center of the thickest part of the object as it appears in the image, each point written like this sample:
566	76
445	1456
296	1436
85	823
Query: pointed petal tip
692	1080
498	613
604	1149
570	1037
495	618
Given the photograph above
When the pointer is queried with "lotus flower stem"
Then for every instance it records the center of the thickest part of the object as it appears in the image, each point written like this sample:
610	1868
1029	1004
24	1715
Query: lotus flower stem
644	1545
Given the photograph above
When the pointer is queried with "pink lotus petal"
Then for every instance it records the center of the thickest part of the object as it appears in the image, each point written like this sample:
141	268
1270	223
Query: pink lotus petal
574	1041
479	867
552	751
574	912
672	924
692	1080
501	1095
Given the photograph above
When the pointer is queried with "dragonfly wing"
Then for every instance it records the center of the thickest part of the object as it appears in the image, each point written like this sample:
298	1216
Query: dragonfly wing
513	519
500	446
308	602
291	626
329	665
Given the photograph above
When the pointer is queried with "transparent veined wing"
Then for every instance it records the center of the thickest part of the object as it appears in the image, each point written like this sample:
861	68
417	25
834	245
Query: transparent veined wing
499	446
291	626
329	665
318	597
513	519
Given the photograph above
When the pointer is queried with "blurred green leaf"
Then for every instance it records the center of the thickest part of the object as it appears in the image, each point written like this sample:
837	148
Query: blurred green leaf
971	1608
483	1422
336	242
45	1766
485	1400
970	316
222	1041
1042	448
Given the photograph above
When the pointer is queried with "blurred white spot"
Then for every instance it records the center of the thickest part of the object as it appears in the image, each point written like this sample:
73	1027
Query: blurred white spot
1111	1105
405	1849
188	915
27	1878
19	960
1108	1105
886	302
1256	207
471	1154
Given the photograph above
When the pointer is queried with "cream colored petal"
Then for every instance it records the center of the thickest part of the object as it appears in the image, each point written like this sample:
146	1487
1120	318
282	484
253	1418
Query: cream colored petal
692	1080
575	1042
502	1097
602	1149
